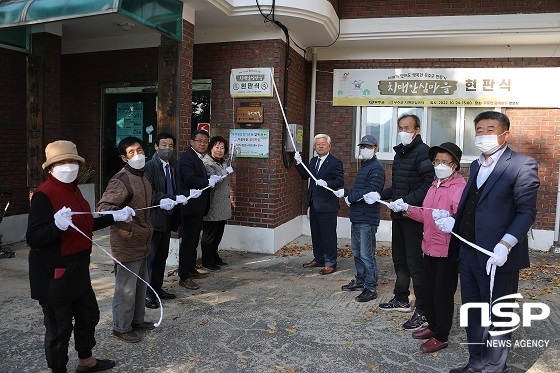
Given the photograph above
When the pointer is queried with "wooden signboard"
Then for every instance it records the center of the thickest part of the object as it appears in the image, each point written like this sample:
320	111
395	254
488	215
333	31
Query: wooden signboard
250	114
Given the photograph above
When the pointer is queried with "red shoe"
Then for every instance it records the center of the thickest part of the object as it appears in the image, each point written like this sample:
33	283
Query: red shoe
432	345
423	334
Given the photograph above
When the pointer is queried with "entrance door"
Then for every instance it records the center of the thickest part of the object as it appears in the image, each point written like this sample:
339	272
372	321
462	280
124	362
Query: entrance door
130	111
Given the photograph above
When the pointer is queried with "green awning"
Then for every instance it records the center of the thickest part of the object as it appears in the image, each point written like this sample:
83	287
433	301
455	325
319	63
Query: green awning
164	16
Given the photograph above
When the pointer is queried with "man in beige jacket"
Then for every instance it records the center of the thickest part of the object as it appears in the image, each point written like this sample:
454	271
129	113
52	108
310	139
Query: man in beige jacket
130	241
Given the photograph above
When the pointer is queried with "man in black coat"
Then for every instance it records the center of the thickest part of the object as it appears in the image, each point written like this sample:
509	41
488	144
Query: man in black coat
323	204
162	173
193	176
413	173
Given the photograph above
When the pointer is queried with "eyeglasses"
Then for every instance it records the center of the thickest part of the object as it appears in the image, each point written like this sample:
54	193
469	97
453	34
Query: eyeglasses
202	141
437	163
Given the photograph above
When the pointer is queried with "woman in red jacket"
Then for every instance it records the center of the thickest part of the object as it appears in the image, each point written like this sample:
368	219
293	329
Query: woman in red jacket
59	260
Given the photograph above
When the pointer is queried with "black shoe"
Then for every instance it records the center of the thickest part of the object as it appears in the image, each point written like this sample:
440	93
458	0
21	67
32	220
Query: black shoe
416	322
100	366
152	302
165	295
221	263
211	267
464	369
352	286
366	296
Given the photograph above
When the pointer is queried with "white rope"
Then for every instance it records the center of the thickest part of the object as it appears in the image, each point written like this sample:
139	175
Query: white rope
290	134
125	267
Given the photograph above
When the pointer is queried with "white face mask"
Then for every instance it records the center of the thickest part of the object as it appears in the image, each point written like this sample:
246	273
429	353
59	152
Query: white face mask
137	162
406	137
66	173
443	171
487	144
367	153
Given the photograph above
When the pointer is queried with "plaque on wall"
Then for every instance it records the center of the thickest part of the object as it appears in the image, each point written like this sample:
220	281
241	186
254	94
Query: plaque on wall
250	114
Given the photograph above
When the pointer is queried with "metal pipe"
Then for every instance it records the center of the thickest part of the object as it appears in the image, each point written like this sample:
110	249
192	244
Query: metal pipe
557	220
313	98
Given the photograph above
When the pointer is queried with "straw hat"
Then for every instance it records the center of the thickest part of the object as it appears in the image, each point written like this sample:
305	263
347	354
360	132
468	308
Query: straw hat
61	150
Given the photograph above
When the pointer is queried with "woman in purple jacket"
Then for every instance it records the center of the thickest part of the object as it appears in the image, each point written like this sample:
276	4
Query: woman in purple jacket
440	275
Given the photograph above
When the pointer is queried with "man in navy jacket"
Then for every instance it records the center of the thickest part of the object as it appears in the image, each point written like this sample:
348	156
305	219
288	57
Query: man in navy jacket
365	220
323	204
496	211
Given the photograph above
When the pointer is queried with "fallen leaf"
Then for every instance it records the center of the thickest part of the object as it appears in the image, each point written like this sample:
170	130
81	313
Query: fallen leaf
270	331
348	345
269	298
291	330
194	358
373	366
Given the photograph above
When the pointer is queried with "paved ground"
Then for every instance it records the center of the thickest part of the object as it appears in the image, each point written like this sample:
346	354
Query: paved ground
265	313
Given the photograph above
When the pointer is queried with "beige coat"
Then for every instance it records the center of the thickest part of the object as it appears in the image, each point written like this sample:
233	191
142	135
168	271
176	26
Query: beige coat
220	203
129	187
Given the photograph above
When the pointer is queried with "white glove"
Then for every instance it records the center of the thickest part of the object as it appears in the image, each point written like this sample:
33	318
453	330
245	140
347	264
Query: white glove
445	224
371	197
440	214
229	170
339	193
297	157
501	255
166	204
398	205
195	193
321	183
347	201
63	218
213	180
125	214
181	199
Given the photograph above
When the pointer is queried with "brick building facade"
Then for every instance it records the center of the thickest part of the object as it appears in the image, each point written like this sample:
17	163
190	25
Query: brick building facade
268	198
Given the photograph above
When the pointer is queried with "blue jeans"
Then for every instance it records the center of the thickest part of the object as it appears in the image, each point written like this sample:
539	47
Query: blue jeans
363	247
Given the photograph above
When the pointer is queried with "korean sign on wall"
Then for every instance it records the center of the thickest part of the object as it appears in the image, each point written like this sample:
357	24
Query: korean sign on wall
253	82
250	143
130	120
471	87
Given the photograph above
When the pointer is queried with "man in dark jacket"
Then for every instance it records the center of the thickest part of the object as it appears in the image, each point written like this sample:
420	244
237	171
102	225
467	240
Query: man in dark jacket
162	173
365	220
323	204
193	176
413	174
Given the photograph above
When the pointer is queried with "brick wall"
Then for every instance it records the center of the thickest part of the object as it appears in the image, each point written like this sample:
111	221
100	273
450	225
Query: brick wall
429	8
13	142
82	78
534	131
264	192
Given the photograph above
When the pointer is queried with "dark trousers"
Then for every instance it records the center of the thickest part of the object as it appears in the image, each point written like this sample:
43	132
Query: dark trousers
407	259
159	250
475	287
439	285
192	225
323	236
212	233
58	324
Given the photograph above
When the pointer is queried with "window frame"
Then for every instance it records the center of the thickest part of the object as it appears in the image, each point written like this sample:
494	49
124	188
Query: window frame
425	130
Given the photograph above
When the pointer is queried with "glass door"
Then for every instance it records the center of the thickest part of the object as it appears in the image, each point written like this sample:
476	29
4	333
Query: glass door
128	111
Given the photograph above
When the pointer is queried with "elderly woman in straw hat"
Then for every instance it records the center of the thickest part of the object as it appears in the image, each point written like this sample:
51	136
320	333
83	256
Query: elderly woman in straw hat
59	259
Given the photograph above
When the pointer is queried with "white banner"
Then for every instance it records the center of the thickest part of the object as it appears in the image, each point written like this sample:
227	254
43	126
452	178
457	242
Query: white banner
488	87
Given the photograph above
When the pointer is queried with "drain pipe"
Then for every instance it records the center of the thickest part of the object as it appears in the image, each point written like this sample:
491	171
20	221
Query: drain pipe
313	98
557	220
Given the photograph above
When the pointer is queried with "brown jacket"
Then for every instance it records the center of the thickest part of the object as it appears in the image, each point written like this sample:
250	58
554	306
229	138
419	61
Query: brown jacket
129	187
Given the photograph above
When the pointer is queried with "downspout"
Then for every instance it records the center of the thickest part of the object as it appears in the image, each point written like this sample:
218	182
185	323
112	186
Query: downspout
557	220
313	99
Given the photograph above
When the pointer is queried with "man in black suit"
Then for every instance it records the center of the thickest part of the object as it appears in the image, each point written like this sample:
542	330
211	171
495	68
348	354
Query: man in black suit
496	210
323	204
161	172
193	176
